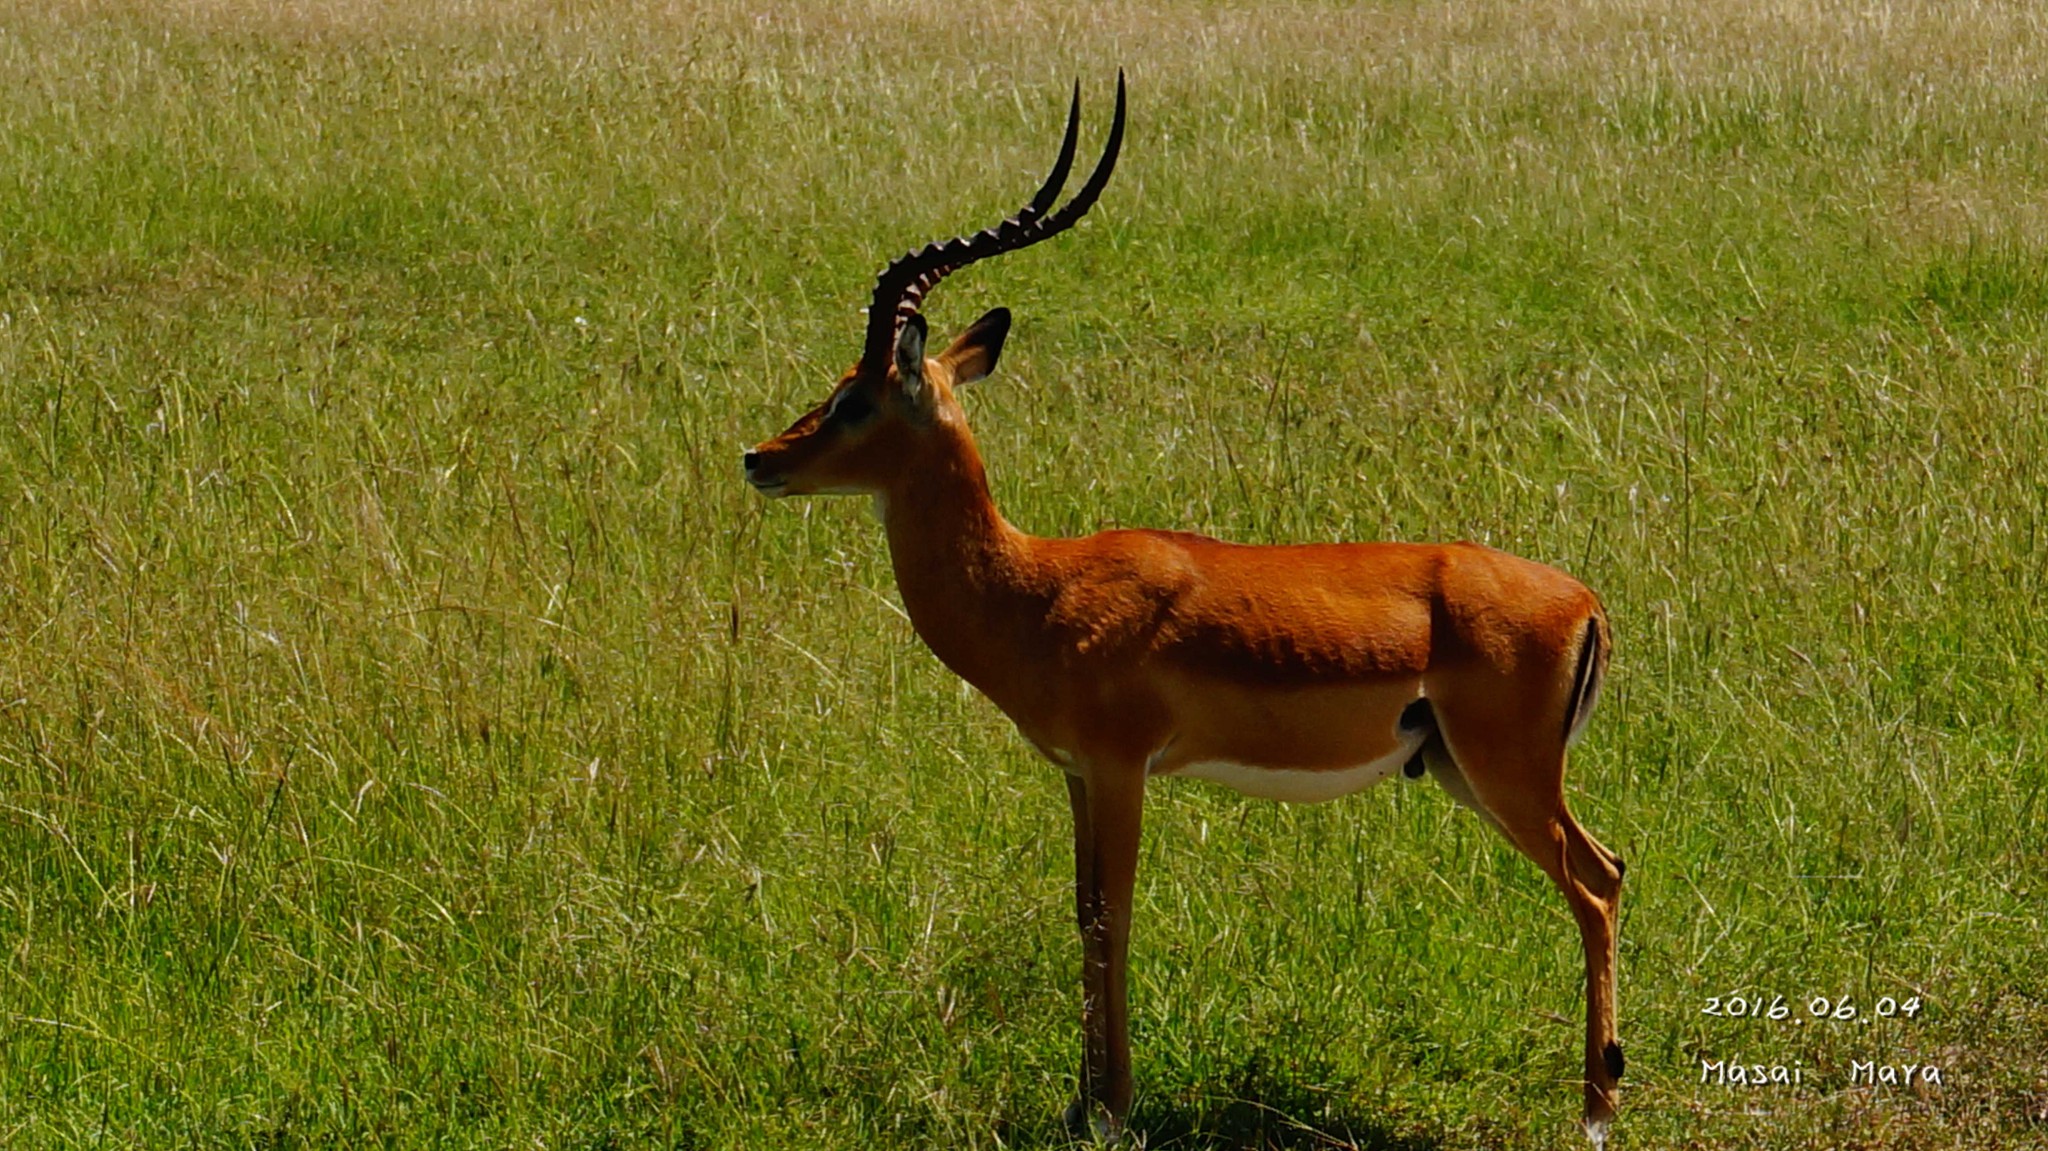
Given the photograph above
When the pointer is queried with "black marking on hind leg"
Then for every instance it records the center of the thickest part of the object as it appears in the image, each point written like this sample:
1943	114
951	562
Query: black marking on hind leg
1413	768
1620	868
1614	1060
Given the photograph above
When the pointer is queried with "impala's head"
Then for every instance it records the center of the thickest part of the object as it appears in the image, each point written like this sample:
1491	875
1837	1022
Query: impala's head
879	419
874	427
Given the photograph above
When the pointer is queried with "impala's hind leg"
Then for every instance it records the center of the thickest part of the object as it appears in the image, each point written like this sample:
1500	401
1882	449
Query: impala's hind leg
1520	790
1591	883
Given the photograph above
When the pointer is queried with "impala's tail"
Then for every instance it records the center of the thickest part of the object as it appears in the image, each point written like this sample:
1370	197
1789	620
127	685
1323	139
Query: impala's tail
1592	668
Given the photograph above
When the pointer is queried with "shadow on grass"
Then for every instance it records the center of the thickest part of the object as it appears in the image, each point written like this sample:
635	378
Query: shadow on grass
1259	1110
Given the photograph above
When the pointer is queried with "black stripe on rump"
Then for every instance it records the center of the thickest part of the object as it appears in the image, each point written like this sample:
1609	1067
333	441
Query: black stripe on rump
1582	676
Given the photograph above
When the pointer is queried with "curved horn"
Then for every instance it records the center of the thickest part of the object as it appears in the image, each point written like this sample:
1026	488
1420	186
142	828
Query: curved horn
901	287
1057	178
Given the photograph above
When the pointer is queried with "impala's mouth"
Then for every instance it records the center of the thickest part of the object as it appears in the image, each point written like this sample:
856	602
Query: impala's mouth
767	483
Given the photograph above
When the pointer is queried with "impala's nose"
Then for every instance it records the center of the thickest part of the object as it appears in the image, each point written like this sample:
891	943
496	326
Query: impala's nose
768	485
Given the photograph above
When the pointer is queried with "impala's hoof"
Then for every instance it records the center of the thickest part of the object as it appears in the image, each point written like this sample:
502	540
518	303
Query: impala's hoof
1599	1111
1086	1124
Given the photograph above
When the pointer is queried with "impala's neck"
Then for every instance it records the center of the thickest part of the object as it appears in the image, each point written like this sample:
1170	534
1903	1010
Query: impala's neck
957	560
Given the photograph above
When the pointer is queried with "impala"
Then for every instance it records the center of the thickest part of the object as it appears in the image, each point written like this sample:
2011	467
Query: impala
1286	672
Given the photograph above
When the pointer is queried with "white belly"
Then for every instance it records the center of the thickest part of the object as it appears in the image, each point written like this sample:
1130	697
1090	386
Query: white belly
1294	785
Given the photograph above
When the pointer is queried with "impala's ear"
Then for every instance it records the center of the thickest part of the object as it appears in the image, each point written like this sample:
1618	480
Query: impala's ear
910	356
973	355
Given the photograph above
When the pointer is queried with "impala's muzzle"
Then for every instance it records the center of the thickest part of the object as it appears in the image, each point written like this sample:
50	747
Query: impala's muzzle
762	480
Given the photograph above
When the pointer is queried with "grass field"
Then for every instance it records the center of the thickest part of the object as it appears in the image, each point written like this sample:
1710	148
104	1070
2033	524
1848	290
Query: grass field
413	733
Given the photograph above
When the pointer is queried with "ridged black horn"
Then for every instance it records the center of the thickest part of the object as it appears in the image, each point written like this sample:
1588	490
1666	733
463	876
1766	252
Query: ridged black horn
900	289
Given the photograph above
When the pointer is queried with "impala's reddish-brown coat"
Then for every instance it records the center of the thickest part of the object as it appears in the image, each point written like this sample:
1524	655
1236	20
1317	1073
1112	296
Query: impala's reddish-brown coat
1299	671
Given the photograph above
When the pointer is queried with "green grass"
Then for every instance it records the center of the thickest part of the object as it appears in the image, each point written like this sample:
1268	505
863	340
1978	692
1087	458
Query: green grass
412	733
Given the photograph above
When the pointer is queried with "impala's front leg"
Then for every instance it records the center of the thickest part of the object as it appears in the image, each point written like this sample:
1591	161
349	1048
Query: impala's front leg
1107	820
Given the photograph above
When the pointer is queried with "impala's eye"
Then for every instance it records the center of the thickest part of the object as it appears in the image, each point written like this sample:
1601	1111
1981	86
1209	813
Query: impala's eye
851	407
